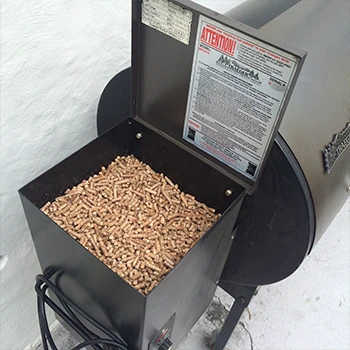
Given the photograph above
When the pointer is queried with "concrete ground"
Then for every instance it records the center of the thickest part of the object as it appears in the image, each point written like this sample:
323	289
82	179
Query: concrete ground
307	311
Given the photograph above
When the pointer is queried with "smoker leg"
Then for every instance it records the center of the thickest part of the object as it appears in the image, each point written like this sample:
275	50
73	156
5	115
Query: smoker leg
242	295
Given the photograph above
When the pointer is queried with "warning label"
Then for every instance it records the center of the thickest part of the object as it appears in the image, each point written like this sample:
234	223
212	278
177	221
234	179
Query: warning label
168	18
238	87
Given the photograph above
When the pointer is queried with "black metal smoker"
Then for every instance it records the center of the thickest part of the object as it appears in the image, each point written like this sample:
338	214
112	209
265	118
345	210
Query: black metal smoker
279	217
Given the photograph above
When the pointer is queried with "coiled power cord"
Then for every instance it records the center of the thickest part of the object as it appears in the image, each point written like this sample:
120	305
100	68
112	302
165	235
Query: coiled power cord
68	312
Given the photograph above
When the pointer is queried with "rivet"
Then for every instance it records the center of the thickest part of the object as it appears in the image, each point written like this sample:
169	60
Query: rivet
349	189
228	193
139	136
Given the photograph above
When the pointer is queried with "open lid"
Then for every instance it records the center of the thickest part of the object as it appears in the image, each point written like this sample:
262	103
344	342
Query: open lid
211	84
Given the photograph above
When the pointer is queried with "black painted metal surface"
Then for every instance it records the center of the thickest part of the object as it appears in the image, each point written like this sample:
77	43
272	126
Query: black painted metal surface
115	102
161	74
275	225
187	290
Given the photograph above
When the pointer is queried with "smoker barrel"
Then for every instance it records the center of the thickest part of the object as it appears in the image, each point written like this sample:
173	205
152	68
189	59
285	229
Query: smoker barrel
320	105
318	110
257	13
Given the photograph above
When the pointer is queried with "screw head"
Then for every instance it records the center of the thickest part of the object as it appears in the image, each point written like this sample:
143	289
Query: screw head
139	136
228	193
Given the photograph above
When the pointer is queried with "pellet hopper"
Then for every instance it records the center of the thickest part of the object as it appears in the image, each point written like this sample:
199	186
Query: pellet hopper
203	105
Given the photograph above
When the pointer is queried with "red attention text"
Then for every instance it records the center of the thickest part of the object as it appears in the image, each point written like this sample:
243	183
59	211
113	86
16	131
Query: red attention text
218	40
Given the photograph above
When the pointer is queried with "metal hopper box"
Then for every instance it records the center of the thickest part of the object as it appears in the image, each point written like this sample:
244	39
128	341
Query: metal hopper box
187	290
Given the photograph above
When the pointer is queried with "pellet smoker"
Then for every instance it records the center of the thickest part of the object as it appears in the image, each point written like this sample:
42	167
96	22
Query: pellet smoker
207	96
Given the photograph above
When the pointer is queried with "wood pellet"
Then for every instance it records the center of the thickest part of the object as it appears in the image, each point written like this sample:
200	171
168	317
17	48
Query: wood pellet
136	221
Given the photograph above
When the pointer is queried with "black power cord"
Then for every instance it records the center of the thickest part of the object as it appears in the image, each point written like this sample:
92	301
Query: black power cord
69	315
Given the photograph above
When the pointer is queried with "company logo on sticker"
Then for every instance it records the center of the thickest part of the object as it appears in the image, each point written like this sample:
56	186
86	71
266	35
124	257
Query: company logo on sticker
235	67
277	85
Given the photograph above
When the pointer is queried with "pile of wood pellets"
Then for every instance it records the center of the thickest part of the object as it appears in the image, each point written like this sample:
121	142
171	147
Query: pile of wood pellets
136	221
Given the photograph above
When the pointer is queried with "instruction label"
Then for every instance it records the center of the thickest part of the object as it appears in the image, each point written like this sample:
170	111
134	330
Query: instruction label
238	87
168	18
